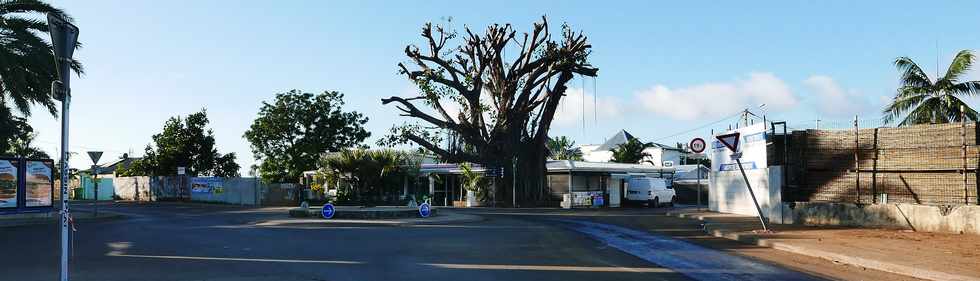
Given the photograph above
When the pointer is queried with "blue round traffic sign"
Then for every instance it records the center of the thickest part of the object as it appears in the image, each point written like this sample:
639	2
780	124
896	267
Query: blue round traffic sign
425	210
327	211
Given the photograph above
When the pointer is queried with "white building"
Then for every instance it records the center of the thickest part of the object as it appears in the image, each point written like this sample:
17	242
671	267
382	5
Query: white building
659	155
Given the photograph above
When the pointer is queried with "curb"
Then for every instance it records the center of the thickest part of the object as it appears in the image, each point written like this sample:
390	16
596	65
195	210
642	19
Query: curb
441	219
56	219
835	257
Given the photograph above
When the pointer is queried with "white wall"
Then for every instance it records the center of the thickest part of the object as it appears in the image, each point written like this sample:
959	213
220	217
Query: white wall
597	156
728	192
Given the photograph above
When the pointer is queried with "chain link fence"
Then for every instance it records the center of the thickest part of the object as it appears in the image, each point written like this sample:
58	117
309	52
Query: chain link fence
864	161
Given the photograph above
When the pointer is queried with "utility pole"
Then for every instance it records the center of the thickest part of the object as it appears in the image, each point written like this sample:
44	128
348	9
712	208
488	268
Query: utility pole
64	38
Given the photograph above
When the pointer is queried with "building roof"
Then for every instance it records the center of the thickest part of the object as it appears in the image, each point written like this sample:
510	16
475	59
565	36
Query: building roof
620	137
689	168
448	168
611	167
110	168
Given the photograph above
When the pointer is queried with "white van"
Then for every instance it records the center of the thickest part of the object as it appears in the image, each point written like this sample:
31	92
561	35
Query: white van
653	191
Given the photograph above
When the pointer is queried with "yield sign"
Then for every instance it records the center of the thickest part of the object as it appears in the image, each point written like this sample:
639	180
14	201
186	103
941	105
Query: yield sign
95	155
729	140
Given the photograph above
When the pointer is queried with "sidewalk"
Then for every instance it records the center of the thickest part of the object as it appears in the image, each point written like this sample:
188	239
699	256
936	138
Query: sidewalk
936	256
443	217
55	218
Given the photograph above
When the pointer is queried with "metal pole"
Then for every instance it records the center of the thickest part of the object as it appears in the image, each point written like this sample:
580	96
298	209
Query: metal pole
64	178
966	189
513	175
857	160
95	181
699	186
762	218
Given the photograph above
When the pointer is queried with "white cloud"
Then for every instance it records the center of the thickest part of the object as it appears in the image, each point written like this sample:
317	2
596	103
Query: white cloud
832	100
718	99
570	112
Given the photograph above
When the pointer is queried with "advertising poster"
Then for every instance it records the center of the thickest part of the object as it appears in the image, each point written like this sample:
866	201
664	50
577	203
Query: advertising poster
40	184
8	183
200	185
205	188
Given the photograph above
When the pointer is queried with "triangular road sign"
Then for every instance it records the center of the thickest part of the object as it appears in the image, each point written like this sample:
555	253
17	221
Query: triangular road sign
95	155
729	140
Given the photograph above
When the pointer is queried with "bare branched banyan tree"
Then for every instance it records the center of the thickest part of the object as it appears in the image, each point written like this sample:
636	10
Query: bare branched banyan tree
501	109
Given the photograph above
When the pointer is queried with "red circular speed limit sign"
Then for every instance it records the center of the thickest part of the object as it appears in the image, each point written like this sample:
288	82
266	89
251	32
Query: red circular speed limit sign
697	145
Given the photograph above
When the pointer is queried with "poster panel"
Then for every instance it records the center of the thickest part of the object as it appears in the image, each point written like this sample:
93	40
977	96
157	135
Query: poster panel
200	185
39	184
8	183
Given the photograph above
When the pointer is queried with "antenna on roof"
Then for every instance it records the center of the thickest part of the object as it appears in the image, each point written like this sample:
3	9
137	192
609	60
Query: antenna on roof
582	79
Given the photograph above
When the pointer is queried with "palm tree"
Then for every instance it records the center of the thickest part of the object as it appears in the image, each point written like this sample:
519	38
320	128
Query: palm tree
562	148
631	151
921	100
26	61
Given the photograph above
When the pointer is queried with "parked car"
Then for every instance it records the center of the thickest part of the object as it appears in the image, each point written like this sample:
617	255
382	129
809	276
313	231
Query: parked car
653	191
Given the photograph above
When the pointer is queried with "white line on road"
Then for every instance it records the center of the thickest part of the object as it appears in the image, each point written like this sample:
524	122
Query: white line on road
113	254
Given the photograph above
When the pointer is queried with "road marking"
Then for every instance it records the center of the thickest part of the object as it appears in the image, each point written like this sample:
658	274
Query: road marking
114	254
680	256
550	267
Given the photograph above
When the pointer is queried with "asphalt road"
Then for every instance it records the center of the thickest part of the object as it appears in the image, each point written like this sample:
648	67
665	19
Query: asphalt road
194	242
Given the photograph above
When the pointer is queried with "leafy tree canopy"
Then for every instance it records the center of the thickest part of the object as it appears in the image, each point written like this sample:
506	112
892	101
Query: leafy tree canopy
563	148
292	132
631	151
184	142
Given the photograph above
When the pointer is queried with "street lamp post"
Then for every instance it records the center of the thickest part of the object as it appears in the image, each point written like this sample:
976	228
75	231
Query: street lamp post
64	37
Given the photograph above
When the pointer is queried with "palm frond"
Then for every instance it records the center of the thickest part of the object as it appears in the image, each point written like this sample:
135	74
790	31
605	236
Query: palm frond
924	113
912	74
960	65
31	7
906	99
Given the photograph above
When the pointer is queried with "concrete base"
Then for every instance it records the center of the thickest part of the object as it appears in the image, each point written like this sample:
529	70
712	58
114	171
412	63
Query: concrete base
352	212
953	219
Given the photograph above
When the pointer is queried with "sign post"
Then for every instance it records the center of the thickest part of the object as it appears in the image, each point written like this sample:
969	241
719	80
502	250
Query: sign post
95	155
425	210
697	145
328	211
64	39
731	142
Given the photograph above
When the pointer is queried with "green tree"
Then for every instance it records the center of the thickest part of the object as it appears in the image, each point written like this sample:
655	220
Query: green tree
562	148
24	147
290	134
25	56
631	151
14	129
370	175
922	100
474	182
185	142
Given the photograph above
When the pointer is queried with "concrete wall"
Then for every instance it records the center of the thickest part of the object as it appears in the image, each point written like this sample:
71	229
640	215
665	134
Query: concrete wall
246	191
241	191
127	187
954	219
729	194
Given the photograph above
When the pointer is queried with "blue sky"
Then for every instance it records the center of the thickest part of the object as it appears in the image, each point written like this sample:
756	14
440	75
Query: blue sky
665	67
